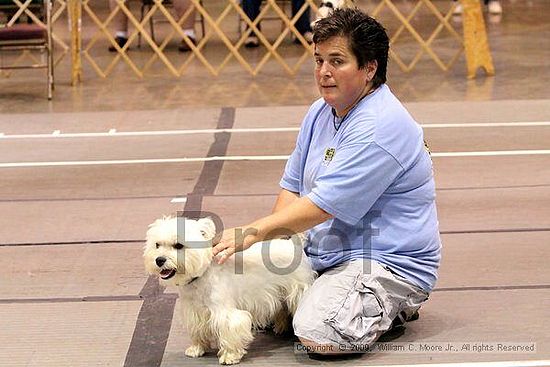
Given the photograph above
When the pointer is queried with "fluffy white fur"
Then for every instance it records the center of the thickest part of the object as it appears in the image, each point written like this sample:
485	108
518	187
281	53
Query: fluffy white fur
219	305
328	6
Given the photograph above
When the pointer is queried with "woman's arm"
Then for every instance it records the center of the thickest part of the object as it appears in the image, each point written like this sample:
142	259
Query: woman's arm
299	215
284	199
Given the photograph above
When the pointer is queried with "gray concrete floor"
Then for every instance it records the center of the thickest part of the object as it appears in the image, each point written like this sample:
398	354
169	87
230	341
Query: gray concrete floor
75	208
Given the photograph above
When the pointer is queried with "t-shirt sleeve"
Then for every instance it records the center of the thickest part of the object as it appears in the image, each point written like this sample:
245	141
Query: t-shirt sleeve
291	176
356	177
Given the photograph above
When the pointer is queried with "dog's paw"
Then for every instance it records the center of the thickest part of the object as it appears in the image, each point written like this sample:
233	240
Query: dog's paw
195	351
229	357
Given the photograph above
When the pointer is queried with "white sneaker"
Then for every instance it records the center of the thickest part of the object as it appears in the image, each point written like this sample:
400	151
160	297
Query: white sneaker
251	42
308	37
495	7
458	9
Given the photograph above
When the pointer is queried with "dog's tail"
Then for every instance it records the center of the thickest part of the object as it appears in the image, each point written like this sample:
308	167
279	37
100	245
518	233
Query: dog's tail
294	295
297	289
304	278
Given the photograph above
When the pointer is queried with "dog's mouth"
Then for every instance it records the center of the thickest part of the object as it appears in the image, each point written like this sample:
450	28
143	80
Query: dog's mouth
166	274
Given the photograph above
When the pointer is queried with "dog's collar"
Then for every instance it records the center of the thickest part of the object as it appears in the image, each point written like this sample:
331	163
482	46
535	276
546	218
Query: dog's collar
195	278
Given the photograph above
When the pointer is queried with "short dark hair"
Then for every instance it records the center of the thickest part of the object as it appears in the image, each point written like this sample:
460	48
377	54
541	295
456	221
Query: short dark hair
367	38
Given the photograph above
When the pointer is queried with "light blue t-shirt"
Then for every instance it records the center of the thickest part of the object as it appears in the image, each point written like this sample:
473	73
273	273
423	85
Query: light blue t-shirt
372	172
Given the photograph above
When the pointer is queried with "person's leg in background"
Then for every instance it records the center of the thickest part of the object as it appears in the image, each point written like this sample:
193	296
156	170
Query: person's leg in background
303	24
120	22
252	9
188	25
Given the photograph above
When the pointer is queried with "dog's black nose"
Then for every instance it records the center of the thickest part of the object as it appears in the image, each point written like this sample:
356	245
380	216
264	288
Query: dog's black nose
160	261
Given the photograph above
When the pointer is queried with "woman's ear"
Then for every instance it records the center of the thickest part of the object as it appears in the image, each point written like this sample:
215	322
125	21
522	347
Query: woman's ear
371	68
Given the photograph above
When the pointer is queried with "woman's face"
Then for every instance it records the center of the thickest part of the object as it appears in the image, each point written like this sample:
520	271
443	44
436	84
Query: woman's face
339	79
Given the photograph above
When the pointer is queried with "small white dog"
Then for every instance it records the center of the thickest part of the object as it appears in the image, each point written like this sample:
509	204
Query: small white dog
328	6
223	304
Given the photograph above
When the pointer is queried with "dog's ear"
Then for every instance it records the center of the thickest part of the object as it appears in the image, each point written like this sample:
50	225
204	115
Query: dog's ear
207	227
154	223
161	220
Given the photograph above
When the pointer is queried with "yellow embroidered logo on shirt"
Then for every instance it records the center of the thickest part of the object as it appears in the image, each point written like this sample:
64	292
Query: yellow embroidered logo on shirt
329	154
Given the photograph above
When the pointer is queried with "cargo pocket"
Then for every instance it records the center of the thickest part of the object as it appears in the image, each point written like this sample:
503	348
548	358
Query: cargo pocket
360	313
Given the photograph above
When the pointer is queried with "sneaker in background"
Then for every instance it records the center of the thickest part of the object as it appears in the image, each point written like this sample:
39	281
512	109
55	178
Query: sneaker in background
458	9
494	7
184	47
251	42
308	36
120	41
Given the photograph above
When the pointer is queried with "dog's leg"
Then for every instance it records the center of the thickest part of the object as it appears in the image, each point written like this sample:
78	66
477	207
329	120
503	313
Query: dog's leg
199	341
235	333
196	321
195	350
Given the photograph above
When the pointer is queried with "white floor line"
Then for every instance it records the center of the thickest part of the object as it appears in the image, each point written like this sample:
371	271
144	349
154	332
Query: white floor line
151	133
177	200
487	124
144	161
113	133
533	363
490	153
244	158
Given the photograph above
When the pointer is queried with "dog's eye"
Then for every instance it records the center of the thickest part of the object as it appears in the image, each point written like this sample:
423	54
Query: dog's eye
157	245
178	246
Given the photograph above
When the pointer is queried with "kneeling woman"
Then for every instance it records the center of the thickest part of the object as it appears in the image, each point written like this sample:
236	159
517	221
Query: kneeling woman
360	183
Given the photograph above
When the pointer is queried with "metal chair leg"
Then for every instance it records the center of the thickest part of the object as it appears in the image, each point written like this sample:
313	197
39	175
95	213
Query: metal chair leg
152	27
49	49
